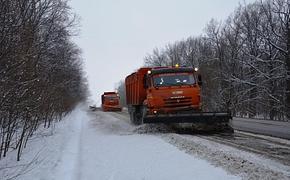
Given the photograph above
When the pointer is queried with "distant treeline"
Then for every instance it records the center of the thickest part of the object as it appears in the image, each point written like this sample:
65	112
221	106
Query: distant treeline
244	61
41	76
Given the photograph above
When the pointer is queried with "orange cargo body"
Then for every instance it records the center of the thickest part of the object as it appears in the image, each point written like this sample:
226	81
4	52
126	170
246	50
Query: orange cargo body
111	101
135	91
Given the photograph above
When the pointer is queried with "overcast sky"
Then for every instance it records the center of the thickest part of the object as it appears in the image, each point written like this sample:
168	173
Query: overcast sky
115	35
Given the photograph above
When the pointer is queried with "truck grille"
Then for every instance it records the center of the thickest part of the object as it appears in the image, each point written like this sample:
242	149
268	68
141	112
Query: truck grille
177	102
113	102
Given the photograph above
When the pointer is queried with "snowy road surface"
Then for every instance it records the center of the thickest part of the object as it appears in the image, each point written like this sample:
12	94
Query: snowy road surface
88	146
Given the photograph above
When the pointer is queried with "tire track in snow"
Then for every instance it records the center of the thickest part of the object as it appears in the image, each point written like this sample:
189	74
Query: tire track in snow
69	158
79	164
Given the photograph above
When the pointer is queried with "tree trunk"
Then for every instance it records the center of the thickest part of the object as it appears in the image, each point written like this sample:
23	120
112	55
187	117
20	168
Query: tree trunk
288	73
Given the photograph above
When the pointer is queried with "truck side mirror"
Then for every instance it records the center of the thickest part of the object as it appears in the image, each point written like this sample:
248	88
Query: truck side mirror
199	80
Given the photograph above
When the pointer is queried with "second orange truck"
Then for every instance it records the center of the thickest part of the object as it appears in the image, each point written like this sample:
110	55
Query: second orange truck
111	101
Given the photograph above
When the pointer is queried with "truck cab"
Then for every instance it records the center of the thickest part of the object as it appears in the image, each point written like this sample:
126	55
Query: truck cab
111	101
172	90
162	91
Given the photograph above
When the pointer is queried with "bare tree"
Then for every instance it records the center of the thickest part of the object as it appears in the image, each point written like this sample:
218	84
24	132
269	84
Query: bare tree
40	68
244	60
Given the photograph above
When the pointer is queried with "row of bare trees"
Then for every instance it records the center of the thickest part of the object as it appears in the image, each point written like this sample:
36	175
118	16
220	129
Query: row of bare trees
245	60
40	68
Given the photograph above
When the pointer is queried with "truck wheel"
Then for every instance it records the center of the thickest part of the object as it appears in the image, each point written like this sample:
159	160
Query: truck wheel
137	118
144	113
229	129
132	117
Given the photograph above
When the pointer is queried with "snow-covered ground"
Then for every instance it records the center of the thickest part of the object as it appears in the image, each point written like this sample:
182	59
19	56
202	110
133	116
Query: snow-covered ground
98	146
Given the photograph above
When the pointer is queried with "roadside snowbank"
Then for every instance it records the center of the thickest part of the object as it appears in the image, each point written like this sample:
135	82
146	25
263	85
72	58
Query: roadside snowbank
238	162
46	151
244	164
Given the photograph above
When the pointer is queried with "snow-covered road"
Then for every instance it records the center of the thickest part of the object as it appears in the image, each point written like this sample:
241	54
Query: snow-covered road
96	145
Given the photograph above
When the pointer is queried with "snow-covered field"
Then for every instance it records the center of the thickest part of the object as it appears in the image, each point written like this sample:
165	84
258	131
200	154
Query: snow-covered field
98	146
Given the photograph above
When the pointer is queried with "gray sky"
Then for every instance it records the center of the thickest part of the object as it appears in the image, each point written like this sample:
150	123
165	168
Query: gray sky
117	34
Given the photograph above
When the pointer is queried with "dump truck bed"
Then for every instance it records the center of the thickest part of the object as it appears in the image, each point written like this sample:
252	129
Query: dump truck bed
135	91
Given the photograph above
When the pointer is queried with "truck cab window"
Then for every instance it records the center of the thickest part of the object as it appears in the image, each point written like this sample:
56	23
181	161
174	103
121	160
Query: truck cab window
173	79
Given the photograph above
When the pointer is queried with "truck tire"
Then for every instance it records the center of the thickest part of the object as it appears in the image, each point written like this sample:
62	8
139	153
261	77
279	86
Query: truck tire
228	129
131	117
135	114
144	113
135	118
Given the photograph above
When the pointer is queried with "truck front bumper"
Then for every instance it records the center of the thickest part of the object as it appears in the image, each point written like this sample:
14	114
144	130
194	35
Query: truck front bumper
112	108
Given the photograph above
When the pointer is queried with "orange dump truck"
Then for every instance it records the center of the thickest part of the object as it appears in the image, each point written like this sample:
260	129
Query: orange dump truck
169	95
111	101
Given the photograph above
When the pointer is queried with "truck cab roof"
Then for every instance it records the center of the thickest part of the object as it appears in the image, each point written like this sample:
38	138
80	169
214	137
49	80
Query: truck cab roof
171	70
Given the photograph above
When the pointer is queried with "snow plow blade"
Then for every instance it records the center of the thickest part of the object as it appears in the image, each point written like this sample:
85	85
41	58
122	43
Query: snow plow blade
198	117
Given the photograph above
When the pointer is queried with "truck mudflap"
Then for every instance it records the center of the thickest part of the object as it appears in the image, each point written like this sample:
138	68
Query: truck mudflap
196	117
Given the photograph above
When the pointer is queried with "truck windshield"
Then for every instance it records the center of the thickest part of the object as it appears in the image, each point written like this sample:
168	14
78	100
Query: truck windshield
173	79
111	97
